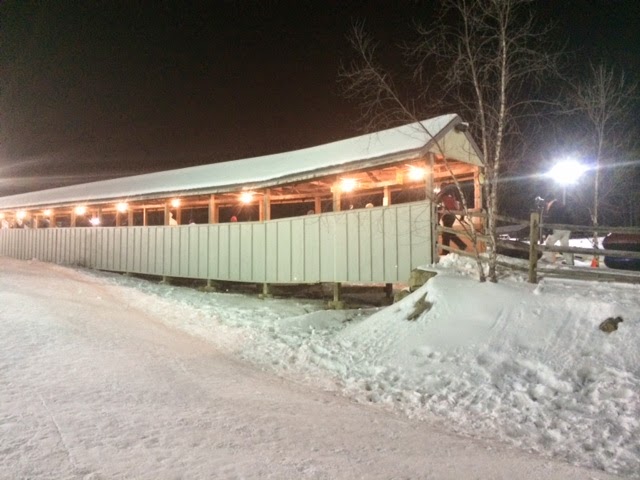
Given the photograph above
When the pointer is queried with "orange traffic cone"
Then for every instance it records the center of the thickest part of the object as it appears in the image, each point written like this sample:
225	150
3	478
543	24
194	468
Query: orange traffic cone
595	263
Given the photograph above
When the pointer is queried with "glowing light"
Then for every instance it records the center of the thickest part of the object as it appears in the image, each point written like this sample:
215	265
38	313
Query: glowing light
47	212
80	210
348	184
122	207
246	197
416	174
175	203
95	221
1	216
567	172
21	214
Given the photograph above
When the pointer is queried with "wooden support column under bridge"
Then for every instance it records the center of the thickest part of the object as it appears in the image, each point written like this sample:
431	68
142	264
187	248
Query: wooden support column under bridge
265	215
213	218
213	210
167	221
337	286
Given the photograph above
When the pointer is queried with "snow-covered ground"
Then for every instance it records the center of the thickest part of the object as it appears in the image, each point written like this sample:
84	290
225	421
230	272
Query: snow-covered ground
107	376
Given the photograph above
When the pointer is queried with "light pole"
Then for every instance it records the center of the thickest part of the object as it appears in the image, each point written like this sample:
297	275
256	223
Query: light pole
566	172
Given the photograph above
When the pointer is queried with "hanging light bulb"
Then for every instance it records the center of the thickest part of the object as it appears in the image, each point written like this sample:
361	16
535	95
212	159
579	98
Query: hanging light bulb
416	173
348	184
246	197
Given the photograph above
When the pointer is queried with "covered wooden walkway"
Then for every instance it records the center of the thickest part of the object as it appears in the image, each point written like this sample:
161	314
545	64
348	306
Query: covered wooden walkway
357	210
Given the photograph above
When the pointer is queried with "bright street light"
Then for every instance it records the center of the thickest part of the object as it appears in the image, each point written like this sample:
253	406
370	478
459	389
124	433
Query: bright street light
567	172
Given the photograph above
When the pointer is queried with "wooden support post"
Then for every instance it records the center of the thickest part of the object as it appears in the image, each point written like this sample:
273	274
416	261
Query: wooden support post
337	303
167	214
130	217
52	220
317	205
264	206
210	287
73	218
266	291
336	198
117	218
99	216
34	221
179	215
337	292
145	219
213	210
477	189
534	229
386	199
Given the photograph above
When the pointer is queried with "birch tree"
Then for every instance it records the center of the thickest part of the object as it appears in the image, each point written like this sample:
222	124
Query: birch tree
486	57
604	99
382	105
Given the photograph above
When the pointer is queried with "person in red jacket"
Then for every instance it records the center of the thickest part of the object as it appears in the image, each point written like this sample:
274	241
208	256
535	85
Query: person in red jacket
448	199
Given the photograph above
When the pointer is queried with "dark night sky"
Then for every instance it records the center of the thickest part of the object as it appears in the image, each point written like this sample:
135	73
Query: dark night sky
93	90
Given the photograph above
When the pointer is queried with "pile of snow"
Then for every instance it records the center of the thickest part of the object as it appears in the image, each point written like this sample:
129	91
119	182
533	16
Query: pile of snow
513	361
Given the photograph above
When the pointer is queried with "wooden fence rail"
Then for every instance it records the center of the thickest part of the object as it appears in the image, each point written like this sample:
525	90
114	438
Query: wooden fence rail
534	248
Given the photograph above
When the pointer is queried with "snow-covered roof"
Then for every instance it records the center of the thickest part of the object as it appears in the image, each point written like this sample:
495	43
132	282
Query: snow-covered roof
374	149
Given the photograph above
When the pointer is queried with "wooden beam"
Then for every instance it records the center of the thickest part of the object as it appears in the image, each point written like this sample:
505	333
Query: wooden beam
167	214
265	206
213	210
386	198
336	198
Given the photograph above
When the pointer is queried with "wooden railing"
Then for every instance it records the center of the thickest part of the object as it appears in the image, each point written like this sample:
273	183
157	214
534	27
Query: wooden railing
532	250
536	247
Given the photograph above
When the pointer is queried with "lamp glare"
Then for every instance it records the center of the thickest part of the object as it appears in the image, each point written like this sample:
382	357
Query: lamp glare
246	197
348	185
416	174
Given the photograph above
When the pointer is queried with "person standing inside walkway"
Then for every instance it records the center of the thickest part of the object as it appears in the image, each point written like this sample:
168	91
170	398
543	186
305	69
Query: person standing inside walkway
557	213
448	199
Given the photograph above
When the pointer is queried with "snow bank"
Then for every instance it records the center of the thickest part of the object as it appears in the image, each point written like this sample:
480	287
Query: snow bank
523	363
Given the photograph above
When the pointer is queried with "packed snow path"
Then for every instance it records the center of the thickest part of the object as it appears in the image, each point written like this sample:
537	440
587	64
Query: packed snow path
94	388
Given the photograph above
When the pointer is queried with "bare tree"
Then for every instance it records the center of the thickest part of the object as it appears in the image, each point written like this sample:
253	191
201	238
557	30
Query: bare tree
486	57
492	60
605	99
381	104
